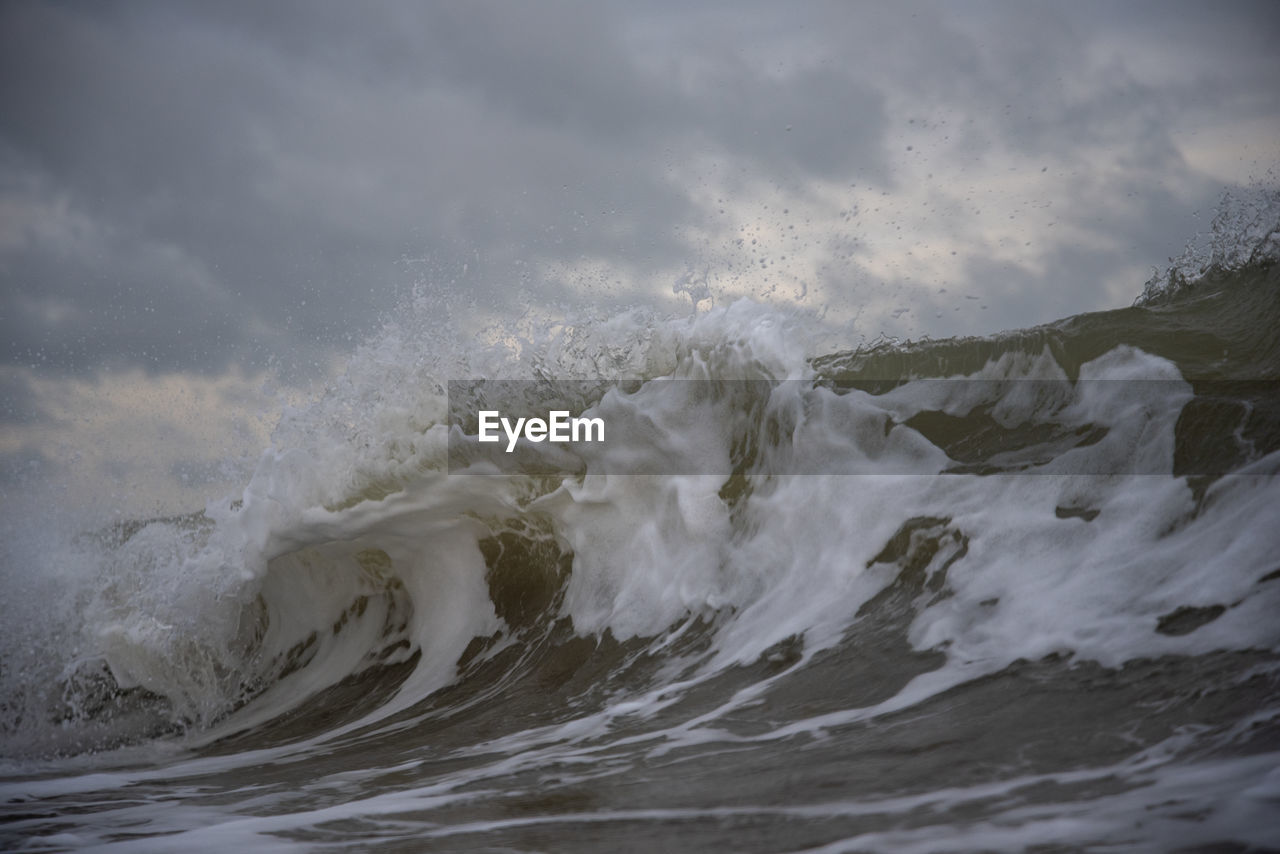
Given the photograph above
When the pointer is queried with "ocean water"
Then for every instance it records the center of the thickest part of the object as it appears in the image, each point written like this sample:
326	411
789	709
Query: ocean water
1010	593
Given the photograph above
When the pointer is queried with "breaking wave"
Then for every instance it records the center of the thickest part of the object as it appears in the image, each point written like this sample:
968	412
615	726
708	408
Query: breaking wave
1024	592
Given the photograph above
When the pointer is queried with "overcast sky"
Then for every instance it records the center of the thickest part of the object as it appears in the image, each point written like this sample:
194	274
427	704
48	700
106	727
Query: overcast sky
191	194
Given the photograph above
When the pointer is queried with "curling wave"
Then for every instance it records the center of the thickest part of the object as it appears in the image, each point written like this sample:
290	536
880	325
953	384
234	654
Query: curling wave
1057	544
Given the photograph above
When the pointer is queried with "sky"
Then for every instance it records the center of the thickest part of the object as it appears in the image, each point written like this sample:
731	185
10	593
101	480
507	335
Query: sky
205	207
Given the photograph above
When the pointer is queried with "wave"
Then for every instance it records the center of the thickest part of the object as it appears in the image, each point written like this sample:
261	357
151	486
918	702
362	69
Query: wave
348	557
1088	505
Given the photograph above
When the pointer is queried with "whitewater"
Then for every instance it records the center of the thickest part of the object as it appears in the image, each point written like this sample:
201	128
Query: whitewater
976	594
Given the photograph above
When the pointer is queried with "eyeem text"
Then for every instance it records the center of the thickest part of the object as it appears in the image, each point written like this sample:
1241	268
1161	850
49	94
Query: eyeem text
558	427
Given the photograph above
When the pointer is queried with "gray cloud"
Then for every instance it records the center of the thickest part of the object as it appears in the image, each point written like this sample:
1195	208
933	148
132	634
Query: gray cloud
22	469
18	401
196	186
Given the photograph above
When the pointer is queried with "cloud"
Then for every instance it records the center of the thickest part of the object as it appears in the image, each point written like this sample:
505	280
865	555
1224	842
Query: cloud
18	400
131	441
202	187
24	468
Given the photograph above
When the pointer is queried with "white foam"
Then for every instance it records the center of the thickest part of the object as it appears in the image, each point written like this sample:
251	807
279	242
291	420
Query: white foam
362	471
